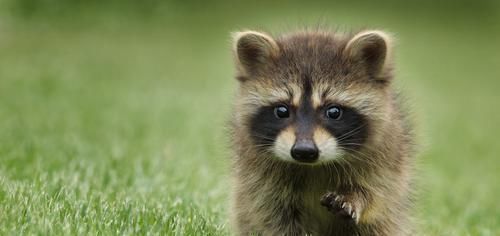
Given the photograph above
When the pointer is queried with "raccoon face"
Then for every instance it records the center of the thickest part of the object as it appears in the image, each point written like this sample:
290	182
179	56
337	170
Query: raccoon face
311	98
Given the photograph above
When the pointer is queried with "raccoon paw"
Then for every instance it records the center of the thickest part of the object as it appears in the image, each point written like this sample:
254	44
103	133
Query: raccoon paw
340	205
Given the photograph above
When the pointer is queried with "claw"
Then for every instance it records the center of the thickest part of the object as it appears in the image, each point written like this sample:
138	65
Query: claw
348	209
337	204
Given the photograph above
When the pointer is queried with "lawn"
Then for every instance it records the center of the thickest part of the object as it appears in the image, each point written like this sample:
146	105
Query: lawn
113	121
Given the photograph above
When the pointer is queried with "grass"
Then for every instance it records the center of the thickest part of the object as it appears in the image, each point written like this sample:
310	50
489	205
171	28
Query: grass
110	124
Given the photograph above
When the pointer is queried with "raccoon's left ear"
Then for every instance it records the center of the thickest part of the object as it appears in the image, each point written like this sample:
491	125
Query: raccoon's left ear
372	48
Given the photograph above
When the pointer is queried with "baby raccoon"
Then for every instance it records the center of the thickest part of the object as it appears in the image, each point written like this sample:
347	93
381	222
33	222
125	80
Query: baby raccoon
321	146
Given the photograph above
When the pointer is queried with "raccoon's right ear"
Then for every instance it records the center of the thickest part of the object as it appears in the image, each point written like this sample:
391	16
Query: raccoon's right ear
253	50
373	48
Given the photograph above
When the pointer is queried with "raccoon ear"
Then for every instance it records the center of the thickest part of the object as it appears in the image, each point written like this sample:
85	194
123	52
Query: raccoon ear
372	48
253	50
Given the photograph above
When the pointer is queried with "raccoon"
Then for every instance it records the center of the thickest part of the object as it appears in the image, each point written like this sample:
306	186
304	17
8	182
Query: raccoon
321	145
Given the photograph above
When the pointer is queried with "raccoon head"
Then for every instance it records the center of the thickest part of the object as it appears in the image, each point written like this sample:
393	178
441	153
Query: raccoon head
312	97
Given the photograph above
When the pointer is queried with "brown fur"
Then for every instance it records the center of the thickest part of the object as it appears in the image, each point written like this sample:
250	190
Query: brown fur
275	197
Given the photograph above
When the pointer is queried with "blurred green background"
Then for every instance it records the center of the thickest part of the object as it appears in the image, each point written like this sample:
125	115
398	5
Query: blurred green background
112	113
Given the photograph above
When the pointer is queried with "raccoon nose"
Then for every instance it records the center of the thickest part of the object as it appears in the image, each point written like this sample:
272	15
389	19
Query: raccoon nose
304	151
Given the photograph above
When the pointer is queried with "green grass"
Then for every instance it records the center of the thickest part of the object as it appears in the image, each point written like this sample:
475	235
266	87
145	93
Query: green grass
112	124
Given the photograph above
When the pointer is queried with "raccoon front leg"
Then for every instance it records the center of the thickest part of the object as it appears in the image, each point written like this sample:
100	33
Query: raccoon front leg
272	218
273	228
285	221
348	206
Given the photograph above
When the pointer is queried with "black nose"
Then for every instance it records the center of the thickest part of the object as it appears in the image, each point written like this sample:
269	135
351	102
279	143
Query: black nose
305	151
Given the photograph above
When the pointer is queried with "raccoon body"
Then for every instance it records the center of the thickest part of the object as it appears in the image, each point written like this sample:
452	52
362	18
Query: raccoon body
320	144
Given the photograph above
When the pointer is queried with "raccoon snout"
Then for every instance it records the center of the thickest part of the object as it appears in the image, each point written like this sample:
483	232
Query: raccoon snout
305	151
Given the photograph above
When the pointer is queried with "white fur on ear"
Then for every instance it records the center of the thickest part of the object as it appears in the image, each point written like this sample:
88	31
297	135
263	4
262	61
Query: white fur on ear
373	48
253	49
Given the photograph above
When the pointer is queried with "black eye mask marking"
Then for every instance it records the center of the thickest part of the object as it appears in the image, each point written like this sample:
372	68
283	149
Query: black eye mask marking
265	126
351	130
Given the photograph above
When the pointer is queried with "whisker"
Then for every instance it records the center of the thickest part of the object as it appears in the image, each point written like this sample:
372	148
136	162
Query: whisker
351	132
360	156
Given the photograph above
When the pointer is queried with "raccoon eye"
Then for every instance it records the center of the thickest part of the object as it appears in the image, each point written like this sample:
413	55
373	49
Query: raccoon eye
334	112
281	112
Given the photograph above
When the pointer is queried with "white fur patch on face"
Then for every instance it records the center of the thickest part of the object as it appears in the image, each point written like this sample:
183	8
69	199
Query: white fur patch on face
366	101
284	143
257	94
297	94
327	145
316	97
